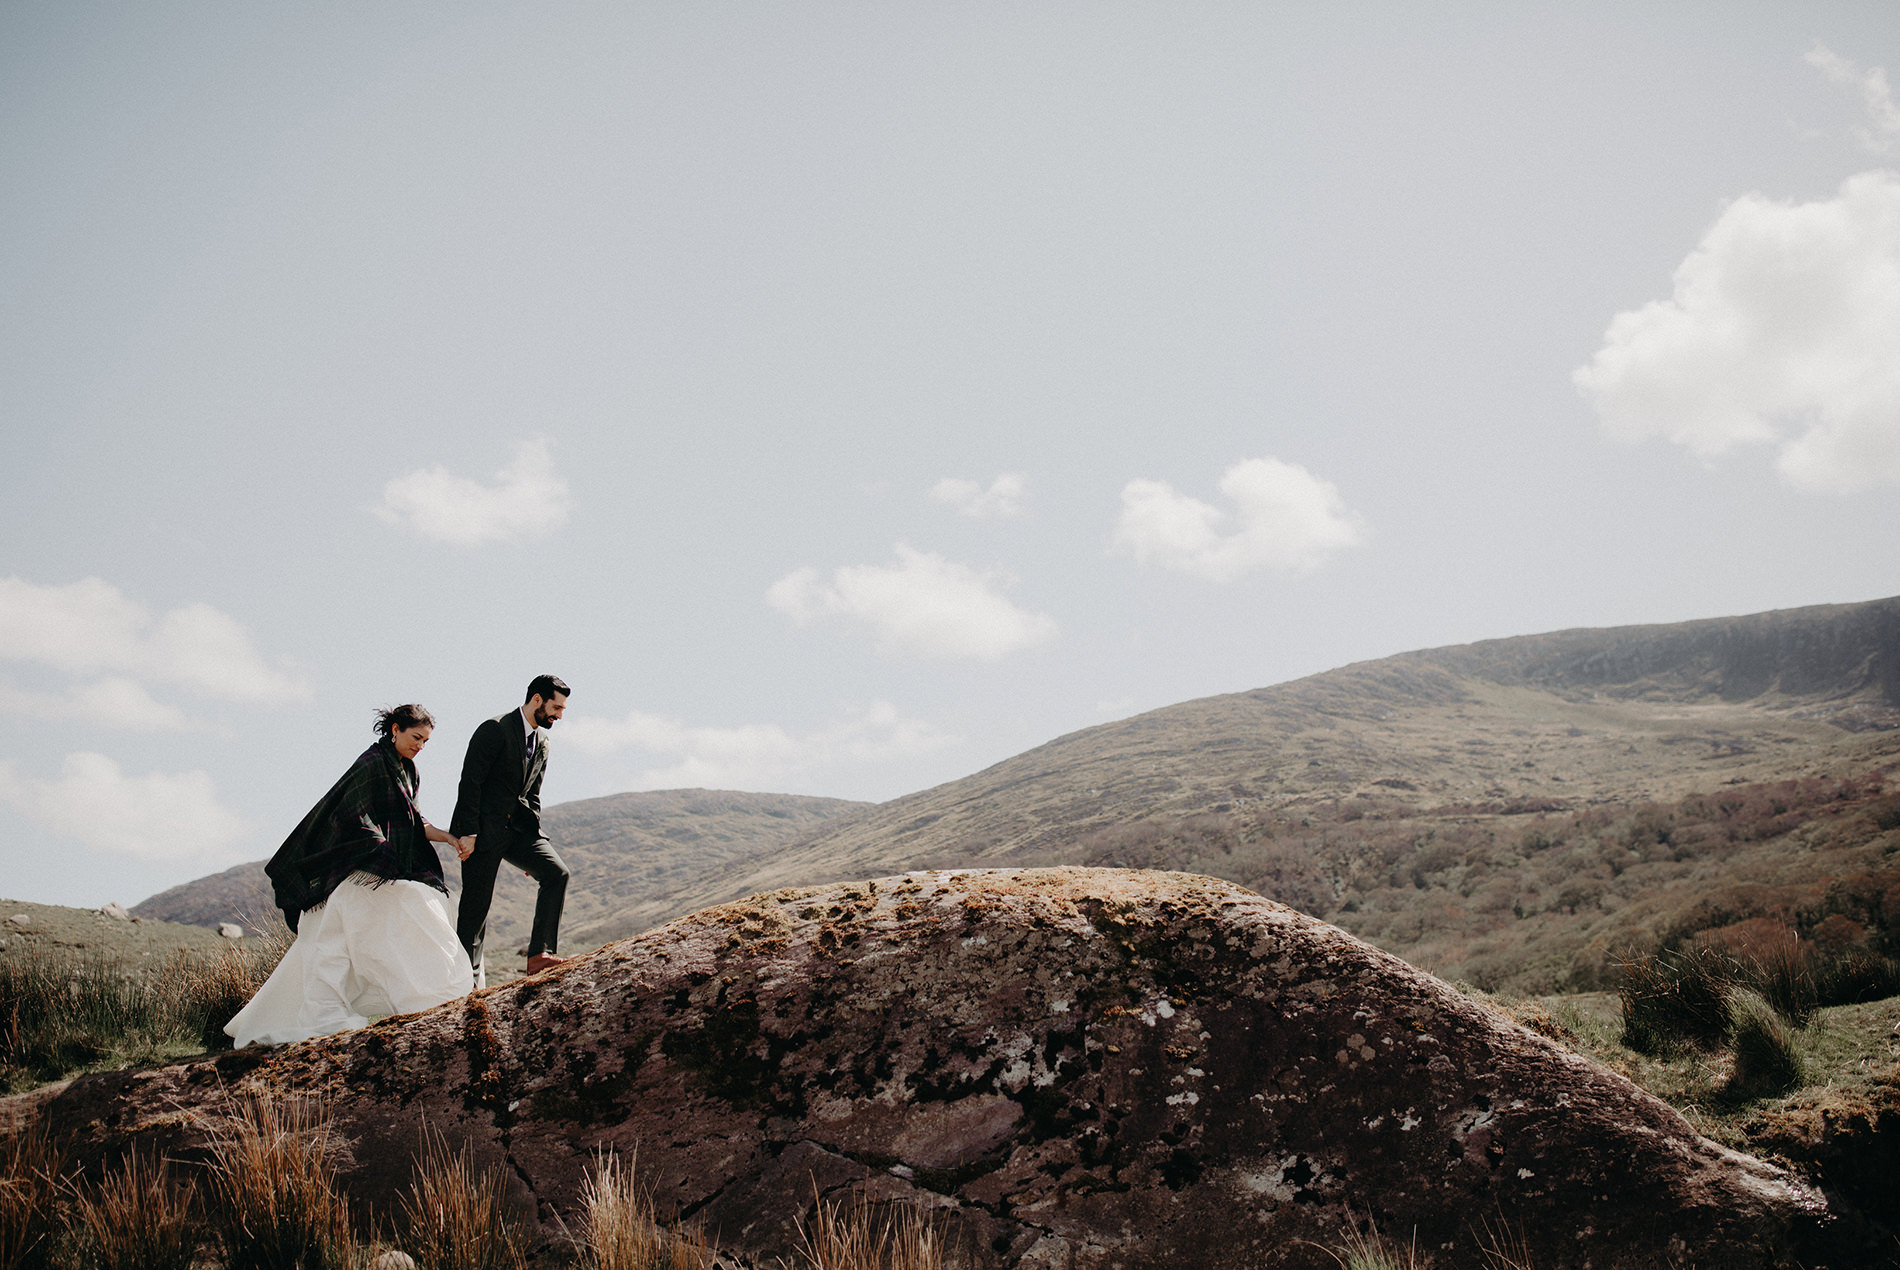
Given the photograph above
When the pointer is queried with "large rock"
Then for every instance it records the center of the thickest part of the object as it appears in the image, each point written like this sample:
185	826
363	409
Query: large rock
1087	1068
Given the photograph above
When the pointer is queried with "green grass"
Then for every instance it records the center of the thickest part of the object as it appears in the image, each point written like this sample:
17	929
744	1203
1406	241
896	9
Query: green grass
1845	1055
66	1011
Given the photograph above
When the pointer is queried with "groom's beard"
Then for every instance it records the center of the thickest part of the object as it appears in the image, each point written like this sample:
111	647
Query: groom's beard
541	719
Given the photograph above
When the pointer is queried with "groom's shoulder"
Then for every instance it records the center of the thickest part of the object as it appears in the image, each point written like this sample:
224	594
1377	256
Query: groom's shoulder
487	727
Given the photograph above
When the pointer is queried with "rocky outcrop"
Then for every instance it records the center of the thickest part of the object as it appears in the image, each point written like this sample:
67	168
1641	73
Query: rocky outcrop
1070	1068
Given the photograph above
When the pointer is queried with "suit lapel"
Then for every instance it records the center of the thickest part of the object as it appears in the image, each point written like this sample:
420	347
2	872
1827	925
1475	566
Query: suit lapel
516	742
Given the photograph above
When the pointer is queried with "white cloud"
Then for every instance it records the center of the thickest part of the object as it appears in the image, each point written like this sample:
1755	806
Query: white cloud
1284	519
527	500
1784	329
109	703
1876	96
761	756
1001	501
90	627
922	604
155	817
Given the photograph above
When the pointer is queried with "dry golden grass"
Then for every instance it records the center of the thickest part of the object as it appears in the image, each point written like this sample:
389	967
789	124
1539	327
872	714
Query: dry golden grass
273	1199
141	1216
454	1216
858	1236
203	993
1369	1250
621	1232
30	1173
1504	1247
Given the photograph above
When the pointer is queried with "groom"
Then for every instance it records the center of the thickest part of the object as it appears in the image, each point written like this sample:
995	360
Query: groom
499	803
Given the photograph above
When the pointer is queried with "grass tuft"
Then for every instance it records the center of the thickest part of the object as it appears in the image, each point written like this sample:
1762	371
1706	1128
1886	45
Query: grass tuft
274	1200
620	1229
1369	1250
1676	998
210	991
855	1236
454	1214
1854	976
139	1217
29	1194
1504	1247
1766	1058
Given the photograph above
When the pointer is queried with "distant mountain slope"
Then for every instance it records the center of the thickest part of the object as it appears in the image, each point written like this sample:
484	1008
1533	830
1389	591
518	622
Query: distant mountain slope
625	850
1514	811
1573	718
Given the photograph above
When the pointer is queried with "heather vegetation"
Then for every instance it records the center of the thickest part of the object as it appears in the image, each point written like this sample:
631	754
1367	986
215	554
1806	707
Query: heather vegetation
1540	897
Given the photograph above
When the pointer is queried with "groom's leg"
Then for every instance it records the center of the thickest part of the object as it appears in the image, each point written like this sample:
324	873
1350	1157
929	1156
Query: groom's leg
478	893
543	863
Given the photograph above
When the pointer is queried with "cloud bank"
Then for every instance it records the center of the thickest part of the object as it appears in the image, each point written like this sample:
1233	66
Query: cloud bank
761	756
922	604
156	817
527	500
90	627
1284	520
1003	500
1782	330
1882	128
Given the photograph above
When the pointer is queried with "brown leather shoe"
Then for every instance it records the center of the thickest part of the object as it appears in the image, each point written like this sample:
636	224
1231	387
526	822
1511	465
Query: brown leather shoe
543	961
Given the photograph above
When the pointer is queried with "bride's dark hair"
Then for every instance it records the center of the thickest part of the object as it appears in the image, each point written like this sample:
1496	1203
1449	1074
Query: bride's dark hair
402	718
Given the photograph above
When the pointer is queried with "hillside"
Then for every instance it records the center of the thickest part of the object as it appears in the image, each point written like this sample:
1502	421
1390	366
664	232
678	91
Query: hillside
1481	809
628	853
51	930
1515	812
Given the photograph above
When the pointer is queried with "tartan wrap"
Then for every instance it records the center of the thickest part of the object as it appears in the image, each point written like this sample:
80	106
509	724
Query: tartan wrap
367	823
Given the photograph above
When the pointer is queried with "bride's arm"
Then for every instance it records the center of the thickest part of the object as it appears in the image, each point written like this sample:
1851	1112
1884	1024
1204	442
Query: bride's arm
463	846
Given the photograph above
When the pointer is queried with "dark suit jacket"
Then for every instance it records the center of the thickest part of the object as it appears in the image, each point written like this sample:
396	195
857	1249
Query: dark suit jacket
499	798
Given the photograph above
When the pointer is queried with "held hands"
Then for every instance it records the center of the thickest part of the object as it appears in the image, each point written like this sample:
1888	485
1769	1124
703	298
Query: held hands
464	846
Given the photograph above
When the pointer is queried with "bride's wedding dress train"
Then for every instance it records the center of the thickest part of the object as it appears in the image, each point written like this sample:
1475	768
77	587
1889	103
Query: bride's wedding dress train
366	952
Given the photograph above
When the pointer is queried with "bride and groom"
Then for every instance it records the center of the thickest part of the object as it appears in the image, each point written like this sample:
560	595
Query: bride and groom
362	887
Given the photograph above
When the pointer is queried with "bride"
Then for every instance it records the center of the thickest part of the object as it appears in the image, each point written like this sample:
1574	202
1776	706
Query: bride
362	888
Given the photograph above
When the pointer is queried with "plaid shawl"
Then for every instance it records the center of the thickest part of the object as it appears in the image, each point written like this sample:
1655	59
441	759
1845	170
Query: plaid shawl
367	823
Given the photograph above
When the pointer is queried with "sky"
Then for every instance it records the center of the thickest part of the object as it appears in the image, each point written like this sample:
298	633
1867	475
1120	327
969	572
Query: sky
845	397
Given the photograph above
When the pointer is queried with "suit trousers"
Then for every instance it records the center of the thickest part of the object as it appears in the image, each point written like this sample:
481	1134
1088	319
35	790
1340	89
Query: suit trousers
543	864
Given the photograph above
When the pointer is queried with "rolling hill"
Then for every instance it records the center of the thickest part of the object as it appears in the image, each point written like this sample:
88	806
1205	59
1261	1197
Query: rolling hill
1506	811
1515	812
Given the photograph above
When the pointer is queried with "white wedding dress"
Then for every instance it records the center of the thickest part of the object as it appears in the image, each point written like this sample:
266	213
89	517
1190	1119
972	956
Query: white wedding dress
366	952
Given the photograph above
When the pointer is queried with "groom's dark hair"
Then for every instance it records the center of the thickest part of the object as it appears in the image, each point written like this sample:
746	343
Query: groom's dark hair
546	687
